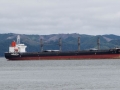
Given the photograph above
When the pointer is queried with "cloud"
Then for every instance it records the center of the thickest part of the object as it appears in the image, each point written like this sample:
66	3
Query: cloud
92	17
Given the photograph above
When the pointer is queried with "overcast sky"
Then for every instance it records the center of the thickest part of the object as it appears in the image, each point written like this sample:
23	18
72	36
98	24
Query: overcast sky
43	17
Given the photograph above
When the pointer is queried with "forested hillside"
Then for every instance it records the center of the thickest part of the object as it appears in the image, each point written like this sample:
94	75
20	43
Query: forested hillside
69	41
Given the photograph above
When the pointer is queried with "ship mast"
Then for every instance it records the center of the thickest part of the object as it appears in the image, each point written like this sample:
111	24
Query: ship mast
60	44
78	43
41	45
18	39
98	43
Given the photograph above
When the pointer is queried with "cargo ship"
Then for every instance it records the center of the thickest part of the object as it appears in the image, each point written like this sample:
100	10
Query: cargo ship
17	51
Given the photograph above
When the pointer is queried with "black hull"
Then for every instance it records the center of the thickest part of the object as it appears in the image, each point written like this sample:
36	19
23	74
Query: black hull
78	55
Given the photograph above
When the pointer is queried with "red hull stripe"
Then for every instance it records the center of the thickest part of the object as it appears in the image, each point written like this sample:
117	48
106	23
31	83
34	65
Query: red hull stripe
107	56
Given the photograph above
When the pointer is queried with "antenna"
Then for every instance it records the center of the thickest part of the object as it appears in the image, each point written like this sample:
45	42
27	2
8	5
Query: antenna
18	39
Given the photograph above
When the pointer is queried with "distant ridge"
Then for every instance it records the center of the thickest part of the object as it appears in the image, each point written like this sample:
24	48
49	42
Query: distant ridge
69	41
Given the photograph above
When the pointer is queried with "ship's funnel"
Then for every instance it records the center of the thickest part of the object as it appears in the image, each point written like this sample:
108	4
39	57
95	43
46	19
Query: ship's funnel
13	44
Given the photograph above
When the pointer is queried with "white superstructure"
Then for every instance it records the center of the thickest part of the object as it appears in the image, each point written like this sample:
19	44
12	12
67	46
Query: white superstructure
17	48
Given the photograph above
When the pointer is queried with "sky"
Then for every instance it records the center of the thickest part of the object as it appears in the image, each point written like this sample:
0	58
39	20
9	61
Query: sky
44	17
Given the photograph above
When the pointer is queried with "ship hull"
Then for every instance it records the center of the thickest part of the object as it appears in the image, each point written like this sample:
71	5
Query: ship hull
67	57
102	54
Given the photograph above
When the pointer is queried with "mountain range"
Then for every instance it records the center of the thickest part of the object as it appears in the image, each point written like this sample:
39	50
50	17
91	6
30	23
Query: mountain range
69	41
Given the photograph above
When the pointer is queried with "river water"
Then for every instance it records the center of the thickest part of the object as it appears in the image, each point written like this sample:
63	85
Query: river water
60	75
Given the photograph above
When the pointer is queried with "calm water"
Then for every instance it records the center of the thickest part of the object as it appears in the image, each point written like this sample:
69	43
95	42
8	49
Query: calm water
60	75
